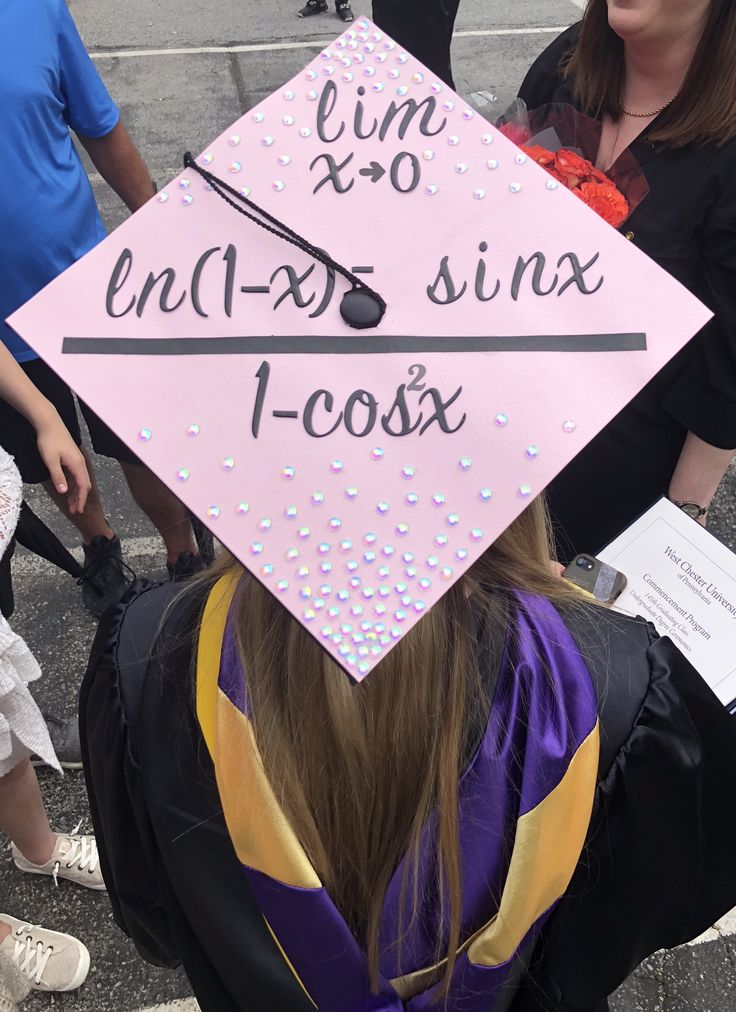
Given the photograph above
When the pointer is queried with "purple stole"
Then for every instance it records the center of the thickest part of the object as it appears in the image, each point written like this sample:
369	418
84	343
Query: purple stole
525	806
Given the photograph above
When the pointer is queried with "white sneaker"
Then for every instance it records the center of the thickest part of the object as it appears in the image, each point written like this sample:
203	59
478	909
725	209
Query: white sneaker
74	858
49	960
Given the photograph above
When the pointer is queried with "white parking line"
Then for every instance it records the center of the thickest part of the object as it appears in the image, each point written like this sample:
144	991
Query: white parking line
185	1005
272	47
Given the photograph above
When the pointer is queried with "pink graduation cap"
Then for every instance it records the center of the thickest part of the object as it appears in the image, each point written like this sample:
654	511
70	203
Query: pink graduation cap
357	473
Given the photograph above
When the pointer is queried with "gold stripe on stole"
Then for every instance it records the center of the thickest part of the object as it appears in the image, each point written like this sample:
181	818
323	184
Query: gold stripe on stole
547	847
258	828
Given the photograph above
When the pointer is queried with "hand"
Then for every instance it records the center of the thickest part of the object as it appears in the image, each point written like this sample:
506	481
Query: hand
557	568
62	457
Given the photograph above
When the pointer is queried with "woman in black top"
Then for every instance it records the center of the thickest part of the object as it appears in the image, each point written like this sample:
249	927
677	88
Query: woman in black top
661	78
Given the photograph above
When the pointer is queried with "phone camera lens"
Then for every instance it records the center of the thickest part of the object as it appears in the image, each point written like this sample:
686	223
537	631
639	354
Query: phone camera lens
589	566
583	563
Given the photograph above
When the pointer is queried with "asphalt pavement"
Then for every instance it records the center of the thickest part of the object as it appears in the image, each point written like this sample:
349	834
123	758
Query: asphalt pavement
181	72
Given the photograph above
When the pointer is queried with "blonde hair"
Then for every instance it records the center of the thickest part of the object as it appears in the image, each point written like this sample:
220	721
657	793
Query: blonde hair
359	769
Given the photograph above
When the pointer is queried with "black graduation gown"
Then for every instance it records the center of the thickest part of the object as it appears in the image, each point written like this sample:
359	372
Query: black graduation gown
656	871
423	27
687	224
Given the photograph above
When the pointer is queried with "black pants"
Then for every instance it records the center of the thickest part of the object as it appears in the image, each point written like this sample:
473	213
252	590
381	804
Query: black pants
423	27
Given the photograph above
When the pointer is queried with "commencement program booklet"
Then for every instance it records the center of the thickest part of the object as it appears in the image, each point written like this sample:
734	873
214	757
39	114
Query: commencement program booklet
683	580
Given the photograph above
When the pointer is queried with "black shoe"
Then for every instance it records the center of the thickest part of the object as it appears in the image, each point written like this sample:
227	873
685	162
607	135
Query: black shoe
64	736
344	11
186	566
106	577
313	7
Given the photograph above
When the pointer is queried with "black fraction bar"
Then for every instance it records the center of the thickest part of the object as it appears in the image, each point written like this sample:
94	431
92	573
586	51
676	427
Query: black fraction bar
377	344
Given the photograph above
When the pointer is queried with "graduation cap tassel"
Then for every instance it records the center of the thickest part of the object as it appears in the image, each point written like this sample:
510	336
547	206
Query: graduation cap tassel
361	307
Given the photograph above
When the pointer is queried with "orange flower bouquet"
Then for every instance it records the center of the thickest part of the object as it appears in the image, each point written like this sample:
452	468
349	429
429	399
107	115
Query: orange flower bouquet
565	143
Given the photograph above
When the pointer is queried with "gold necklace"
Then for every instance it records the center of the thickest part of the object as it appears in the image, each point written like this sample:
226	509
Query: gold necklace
647	115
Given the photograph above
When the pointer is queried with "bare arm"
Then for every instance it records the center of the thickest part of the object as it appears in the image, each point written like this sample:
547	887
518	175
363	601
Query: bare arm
58	450
120	164
699	471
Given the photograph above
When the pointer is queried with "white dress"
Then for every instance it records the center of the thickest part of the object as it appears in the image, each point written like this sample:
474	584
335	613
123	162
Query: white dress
22	727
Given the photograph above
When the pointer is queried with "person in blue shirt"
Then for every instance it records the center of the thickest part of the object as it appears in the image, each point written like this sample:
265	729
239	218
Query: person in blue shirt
48	220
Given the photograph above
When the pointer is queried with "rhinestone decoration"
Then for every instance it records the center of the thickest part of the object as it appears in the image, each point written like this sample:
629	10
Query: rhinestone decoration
312	95
402	58
465	463
345	546
515	187
305	132
347	77
284	159
524	491
432	562
243	508
145	435
187	199
412	499
438	499
369	72
235	167
402	529
292	554
461	168
476	534
552	184
453	140
407	472
265	524
290	512
278	185
305	593
335	523
377	453
228	463
244	191
502	420
234	140
317	498
431	190
479	194
302	572
256	548
453	519
428	154
446	572
323	548
336	466
461	554
288	472
402	90
258	117
208	158
449	105
469	114
568	426
282	586
441	540
520	158
370	538
492	164
267	569
162	197
303	533
289	96
394	74
193	430
532	452
485	494
379	86
437	88
487	139
382	508
268	141
185	183
351	493
288	121
182	474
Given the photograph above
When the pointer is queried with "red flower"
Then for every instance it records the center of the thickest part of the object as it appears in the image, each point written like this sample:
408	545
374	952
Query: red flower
539	155
606	200
574	169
